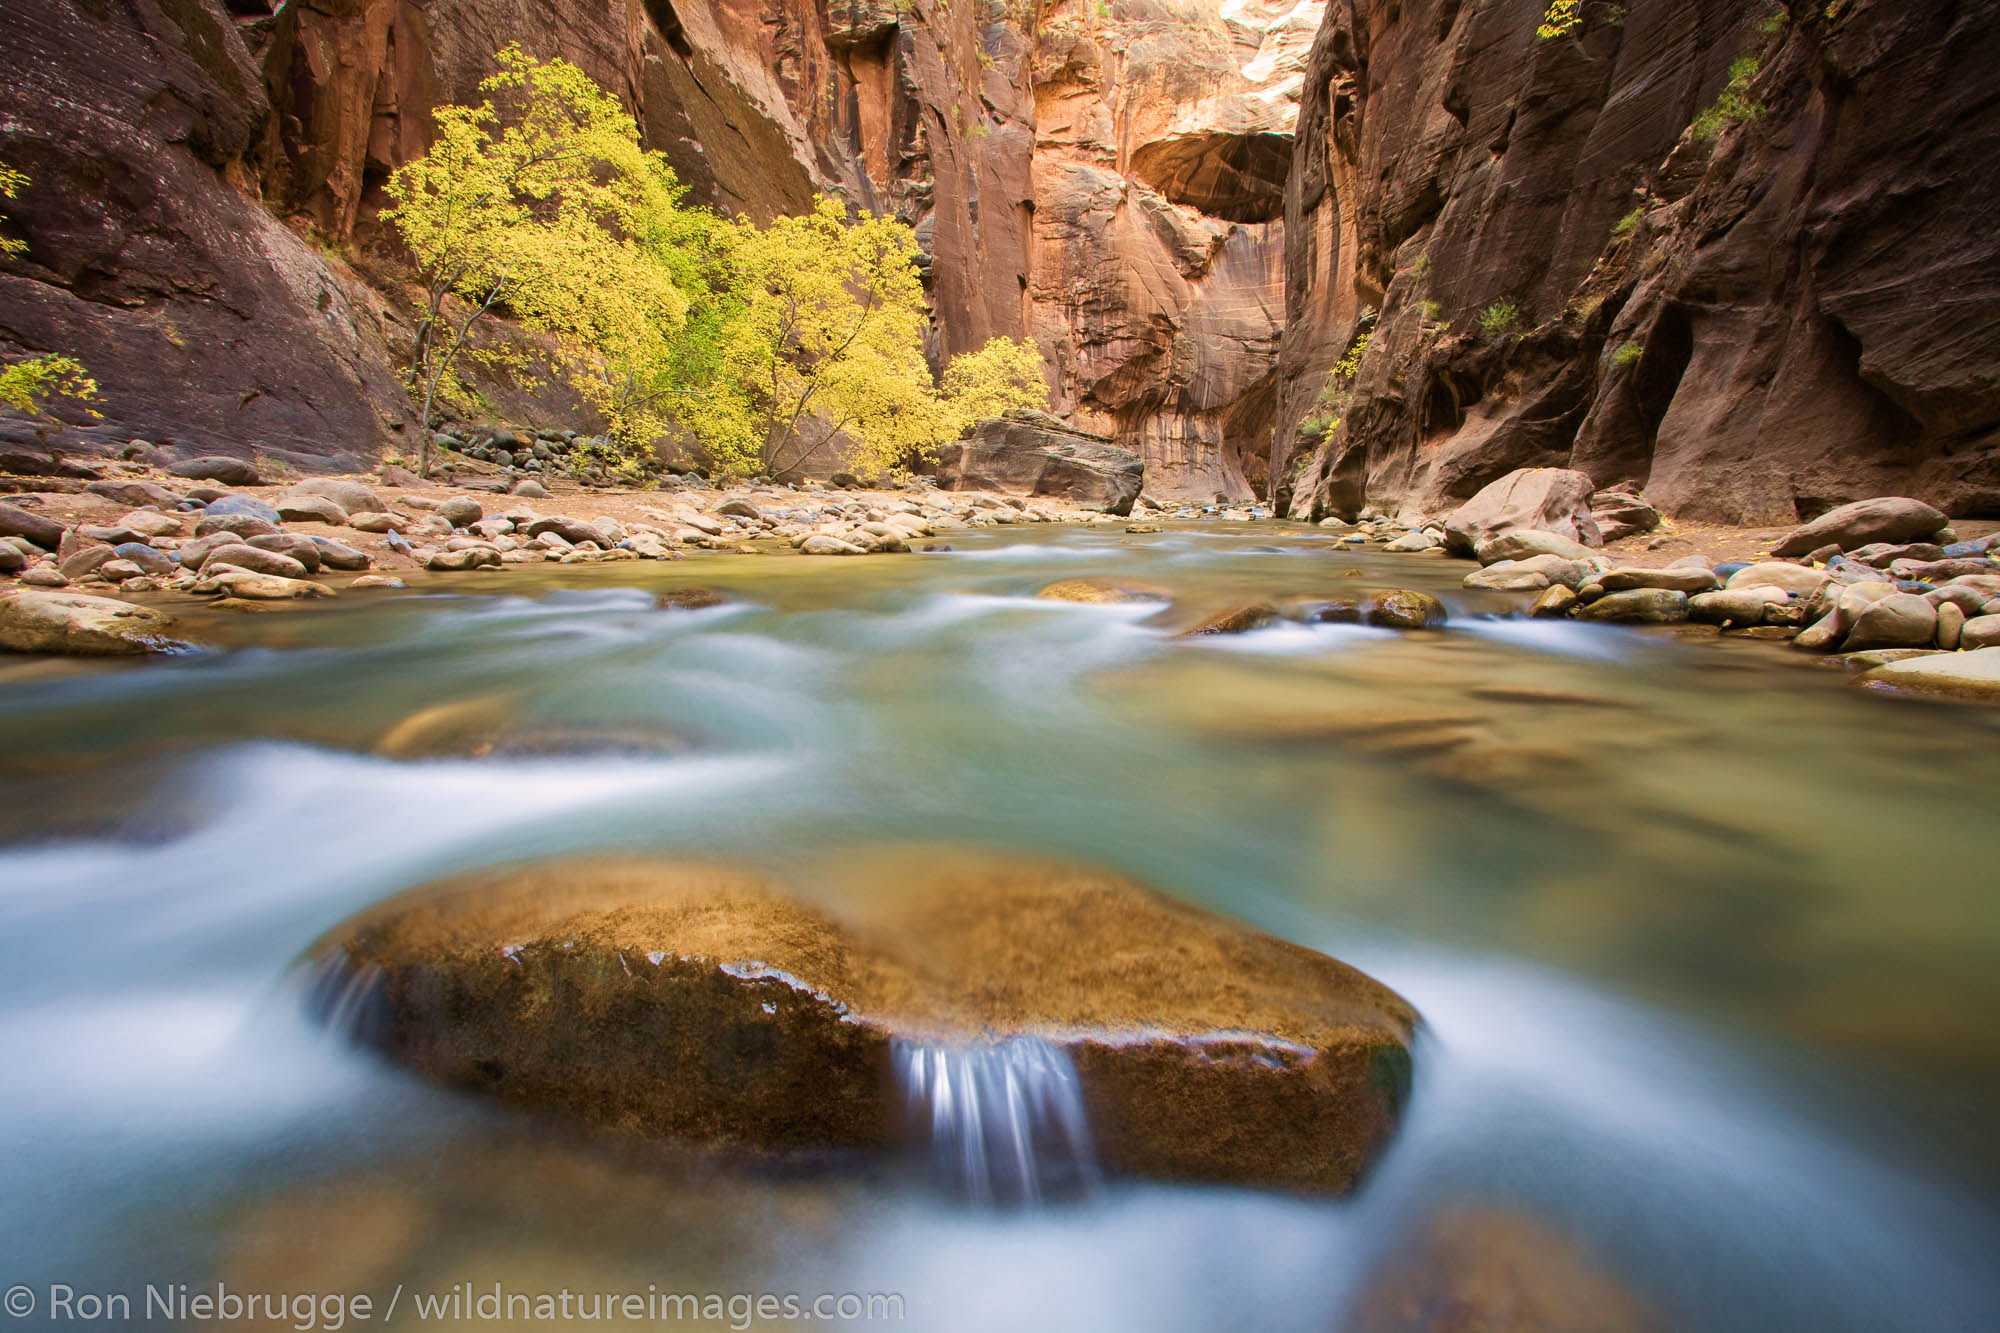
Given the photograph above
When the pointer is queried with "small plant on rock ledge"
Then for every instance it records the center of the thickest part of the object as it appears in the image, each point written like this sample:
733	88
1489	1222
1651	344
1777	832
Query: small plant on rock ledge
1733	107
1325	417
1502	317
1627	353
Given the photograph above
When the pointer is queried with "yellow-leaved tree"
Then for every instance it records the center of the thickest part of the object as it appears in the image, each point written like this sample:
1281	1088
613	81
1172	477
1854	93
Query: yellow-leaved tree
27	385
540	201
824	350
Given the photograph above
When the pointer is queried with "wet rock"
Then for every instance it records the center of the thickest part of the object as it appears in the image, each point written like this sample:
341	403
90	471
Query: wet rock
1900	620
821	544
1682	579
1480	1270
73	623
17	522
1642	606
352	496
1096	591
1970	673
378	581
699	1002
1323	610
1033	453
461	511
1414	541
242	525
217	468
1885	519
255	587
1546	499
1404	608
310	509
1555	602
690	599
1236	620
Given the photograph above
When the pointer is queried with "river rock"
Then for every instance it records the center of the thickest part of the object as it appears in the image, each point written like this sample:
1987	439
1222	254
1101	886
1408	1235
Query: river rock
699	1002
257	561
73	623
368	520
1679	579
151	523
339	555
1404	608
299	547
1972	673
1950	625
148	560
310	509
1800	579
17	522
244	504
1099	591
1236	620
118	571
1900	620
1735	606
11	560
1526	543
822	544
1547	499
1646	606
1980	632
572	530
471	557
44	576
218	468
1529	575
1619	514
351	496
461	511
1885	519
135	493
242	525
1554	603
1033	453
255	587
531	489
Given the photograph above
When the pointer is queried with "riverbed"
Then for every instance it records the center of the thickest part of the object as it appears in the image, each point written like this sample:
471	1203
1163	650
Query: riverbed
1702	934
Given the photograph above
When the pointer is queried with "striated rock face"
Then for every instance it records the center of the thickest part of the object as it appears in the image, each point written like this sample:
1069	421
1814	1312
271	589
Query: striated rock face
1756	293
698	1002
1107	179
1031	453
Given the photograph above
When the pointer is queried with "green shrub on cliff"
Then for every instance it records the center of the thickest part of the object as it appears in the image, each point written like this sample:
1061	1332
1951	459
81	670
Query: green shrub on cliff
1734	106
27	386
1501	317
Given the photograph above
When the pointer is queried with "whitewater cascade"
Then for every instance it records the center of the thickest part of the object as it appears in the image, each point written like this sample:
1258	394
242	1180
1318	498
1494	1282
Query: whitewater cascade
1004	1119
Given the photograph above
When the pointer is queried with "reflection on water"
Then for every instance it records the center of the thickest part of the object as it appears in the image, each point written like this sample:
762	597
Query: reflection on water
1703	937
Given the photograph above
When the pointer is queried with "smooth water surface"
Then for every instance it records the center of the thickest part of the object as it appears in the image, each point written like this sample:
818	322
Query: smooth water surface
1704	937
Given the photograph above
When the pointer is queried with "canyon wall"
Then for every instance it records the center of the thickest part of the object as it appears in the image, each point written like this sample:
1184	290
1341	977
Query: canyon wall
1742	255
1106	177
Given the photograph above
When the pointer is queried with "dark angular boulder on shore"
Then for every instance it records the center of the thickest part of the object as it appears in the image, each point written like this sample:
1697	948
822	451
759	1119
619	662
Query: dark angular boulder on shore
1033	453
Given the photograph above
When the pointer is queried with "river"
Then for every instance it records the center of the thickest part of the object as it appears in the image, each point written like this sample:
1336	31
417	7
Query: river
1702	934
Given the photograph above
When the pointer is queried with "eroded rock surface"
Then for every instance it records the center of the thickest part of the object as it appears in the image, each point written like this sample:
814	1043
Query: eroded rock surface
1032	453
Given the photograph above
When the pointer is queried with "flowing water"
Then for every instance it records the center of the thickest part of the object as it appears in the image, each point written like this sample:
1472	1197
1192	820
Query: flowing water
1703	936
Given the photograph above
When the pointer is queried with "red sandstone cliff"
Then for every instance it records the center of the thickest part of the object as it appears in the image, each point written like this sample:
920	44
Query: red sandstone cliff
1796	312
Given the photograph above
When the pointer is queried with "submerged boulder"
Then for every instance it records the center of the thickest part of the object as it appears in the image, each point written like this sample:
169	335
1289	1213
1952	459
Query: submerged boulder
1972	674
1033	453
1095	591
700	1002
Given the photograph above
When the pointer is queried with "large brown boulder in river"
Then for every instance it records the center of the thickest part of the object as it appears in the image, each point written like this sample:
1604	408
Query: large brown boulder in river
696	1001
80	625
1032	453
